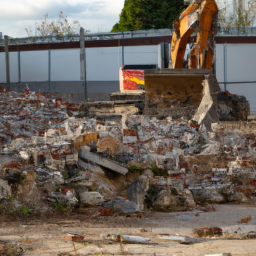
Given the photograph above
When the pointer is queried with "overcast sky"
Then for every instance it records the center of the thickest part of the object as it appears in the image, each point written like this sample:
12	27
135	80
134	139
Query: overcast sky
96	15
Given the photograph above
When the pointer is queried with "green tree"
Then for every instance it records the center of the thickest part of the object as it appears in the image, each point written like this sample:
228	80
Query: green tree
60	26
148	14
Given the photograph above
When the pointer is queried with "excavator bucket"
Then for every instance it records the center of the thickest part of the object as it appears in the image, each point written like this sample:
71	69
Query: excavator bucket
182	94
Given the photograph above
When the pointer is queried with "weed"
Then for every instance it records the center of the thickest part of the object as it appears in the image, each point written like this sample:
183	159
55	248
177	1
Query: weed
65	175
16	178
63	207
159	172
152	195
133	168
173	191
25	210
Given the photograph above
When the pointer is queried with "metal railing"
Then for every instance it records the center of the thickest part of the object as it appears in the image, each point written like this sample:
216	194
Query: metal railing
89	37
249	31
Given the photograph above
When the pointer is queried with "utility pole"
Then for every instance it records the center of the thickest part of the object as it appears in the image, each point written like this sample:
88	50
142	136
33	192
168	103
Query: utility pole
7	62
83	63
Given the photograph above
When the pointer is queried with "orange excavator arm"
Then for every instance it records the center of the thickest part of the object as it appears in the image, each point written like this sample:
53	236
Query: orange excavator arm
198	18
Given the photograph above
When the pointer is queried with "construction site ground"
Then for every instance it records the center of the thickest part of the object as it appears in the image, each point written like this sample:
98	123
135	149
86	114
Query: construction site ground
44	235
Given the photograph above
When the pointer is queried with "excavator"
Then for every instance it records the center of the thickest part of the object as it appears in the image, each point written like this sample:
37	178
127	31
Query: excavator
189	93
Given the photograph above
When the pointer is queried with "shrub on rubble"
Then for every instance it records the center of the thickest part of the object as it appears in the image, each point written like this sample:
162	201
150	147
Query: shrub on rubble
159	172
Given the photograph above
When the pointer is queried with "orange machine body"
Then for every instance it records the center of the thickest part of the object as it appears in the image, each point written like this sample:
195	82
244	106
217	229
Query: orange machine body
198	18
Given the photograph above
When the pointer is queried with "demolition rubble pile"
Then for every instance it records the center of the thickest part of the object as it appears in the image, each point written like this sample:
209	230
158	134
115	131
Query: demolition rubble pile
54	158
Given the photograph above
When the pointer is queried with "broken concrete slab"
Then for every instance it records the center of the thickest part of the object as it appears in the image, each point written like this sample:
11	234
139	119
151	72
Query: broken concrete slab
122	206
85	154
137	191
180	239
5	189
207	112
91	198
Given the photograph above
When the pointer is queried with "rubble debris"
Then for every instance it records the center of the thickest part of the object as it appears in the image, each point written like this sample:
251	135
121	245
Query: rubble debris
55	154
180	239
91	198
121	206
207	111
208	232
73	237
126	238
11	248
85	154
222	254
137	191
245	220
5	189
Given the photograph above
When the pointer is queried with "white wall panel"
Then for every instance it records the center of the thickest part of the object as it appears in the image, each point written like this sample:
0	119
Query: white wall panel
241	67
102	64
34	66
14	73
136	55
2	68
65	65
241	62
219	63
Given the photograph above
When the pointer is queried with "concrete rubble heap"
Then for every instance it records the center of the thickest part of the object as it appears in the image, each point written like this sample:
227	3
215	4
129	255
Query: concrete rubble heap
54	157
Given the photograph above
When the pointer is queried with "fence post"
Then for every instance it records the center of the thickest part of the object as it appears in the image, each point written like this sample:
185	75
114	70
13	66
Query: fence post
7	62
122	55
225	66
83	63
49	67
19	68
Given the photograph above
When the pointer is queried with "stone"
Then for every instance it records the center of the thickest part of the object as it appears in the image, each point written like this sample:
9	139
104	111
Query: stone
68	197
238	197
148	173
165	199
90	167
109	145
216	198
28	191
210	195
122	206
180	239
91	198
216	127
87	139
137	191
189	202
5	189
85	154
49	186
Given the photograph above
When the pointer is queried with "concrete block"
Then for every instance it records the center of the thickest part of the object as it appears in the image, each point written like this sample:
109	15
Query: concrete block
91	198
85	154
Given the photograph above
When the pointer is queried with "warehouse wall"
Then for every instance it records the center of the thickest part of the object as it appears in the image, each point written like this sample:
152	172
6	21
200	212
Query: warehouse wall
102	67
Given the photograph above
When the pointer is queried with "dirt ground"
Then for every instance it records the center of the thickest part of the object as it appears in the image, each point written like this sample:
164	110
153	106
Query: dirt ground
43	236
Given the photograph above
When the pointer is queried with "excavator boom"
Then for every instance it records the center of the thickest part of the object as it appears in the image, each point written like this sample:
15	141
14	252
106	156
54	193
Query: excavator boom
198	18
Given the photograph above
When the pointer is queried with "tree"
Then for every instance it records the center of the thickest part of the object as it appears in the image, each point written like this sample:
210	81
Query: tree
239	20
148	14
60	26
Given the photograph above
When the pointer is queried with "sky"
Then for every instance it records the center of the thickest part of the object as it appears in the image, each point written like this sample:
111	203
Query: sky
94	15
